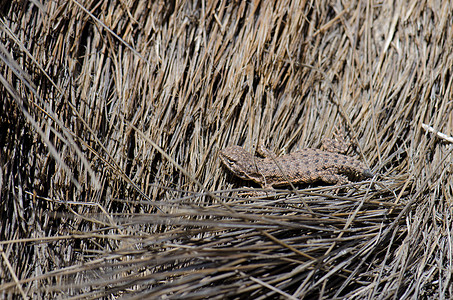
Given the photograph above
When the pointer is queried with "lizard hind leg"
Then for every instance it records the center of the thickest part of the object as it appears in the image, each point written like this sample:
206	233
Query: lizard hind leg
336	179
336	145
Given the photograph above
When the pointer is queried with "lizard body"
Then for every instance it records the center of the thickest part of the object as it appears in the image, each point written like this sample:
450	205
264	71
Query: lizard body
303	166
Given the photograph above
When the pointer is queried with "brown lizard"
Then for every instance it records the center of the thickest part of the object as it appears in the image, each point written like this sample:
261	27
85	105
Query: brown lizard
303	166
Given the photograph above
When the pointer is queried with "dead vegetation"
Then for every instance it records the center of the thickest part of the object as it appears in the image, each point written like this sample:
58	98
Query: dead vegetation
112	114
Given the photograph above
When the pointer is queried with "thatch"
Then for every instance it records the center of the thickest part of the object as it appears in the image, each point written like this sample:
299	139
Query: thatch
112	114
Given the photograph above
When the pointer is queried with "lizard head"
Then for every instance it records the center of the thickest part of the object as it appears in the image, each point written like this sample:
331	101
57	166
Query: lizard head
238	161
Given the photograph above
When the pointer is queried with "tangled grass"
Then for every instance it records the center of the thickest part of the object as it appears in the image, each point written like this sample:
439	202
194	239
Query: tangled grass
113	112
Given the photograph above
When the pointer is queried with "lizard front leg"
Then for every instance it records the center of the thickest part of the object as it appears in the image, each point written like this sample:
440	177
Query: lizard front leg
265	152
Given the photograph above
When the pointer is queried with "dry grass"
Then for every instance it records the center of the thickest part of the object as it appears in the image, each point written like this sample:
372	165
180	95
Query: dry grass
112	114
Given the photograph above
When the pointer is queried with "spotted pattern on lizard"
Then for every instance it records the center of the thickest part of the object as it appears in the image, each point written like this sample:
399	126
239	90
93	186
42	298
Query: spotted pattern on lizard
303	166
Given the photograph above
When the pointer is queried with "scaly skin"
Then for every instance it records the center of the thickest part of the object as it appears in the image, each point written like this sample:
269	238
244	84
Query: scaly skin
303	166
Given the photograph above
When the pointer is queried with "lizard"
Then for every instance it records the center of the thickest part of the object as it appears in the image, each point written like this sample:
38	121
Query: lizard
303	166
